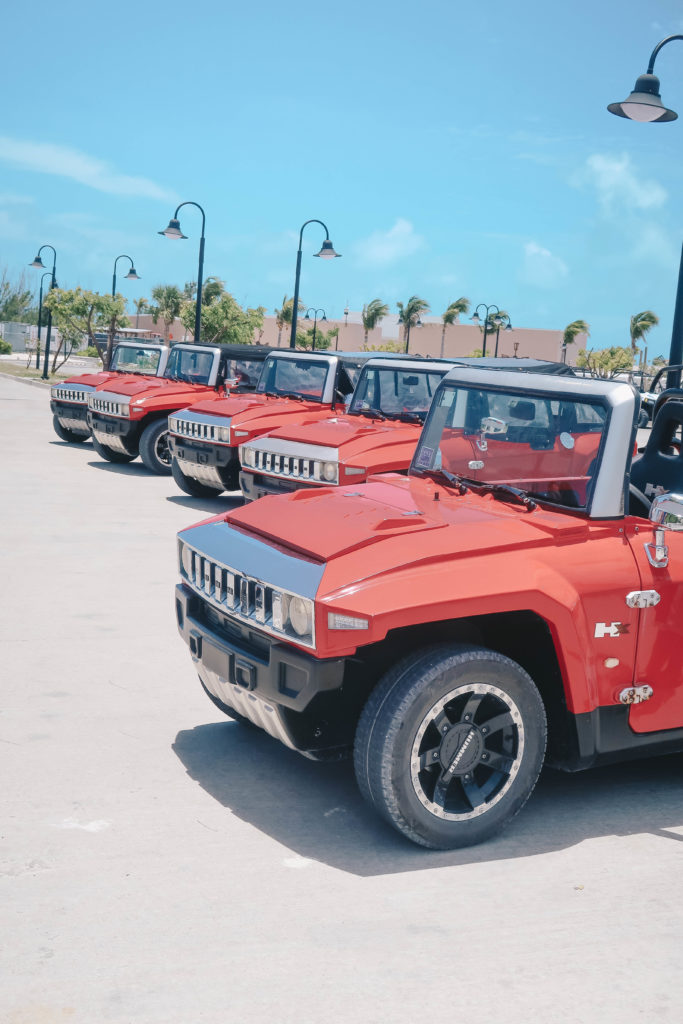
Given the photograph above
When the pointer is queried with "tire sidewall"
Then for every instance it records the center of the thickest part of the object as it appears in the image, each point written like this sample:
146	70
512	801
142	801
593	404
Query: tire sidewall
149	440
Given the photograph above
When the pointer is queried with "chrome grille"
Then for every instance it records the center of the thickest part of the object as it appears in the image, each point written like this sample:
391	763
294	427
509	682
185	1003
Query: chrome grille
79	395
194	428
287	465
107	405
242	597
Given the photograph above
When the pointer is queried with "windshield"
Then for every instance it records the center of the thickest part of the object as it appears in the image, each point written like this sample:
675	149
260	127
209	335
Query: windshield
395	392
302	377
244	371
547	447
191	365
135	359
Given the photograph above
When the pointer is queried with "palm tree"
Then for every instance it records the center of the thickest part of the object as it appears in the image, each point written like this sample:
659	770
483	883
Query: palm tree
371	315
641	323
570	333
283	316
140	307
452	315
409	315
169	300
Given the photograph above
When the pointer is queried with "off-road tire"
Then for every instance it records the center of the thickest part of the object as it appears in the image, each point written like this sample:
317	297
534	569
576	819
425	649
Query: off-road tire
110	454
190	485
67	435
398	758
154	450
225	709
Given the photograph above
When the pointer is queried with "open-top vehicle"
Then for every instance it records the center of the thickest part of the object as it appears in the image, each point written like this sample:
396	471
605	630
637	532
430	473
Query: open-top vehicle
130	417
293	387
69	398
515	598
377	434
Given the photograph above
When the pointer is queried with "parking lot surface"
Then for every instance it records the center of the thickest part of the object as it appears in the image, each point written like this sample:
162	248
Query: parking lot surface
162	865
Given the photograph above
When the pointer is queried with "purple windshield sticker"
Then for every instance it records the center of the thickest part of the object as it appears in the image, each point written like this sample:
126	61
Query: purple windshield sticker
424	457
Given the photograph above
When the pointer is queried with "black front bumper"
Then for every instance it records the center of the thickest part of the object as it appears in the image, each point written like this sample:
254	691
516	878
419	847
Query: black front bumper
256	485
275	686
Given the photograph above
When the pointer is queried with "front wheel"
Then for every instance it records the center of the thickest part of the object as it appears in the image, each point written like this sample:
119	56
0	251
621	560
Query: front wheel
190	485
450	745
110	454
66	434
154	450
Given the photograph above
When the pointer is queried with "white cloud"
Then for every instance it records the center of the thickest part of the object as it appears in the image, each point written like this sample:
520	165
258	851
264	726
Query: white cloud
47	158
382	248
541	269
618	186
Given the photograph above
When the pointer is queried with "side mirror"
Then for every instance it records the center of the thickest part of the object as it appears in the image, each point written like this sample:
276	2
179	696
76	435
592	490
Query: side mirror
666	511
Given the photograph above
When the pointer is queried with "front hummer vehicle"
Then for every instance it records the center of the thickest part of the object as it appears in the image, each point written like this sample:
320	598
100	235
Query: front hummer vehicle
515	598
130	417
69	398
294	387
377	434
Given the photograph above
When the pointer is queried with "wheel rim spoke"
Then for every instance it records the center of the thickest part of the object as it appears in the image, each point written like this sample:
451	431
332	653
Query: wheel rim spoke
470	709
474	793
442	721
429	759
497	723
499	762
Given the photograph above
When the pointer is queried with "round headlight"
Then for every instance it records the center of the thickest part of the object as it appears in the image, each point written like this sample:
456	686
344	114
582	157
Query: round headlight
300	616
329	471
224	433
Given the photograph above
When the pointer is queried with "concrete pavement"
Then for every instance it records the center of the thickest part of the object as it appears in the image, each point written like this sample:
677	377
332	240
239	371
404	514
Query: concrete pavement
161	865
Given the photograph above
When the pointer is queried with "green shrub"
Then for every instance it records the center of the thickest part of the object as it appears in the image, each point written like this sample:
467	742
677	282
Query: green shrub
90	351
5	347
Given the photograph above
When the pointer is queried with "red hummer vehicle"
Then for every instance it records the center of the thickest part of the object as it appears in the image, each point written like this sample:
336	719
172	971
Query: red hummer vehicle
293	387
378	434
516	597
130	417
69	398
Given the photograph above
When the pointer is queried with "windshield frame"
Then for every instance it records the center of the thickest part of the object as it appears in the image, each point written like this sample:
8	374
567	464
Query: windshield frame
315	359
406	366
607	498
213	370
152	348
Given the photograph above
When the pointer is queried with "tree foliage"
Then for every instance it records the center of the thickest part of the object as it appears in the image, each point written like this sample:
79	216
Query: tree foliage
78	314
605	362
323	339
168	304
640	324
16	300
451	315
283	316
573	329
223	319
373	313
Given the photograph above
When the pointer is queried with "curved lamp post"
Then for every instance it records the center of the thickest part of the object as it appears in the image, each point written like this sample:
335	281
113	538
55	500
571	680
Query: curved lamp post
132	274
496	320
40	314
499	324
645	104
315	320
326	253
173	231
53	284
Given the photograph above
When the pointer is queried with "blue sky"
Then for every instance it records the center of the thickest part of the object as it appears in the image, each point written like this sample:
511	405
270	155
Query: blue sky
451	149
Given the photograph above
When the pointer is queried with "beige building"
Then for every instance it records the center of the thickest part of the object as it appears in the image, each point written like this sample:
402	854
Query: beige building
460	339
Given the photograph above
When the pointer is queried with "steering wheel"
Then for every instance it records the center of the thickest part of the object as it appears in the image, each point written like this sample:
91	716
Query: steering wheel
640	499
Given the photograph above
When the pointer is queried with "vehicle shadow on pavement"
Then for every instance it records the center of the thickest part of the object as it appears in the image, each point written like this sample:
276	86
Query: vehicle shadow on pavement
317	811
83	445
225	503
123	468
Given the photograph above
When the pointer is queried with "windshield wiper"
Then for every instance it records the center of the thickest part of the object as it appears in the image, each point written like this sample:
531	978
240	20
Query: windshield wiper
374	414
412	417
506	492
291	394
442	474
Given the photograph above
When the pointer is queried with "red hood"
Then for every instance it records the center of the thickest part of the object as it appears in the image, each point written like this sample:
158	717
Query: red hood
95	379
153	387
352	435
250	406
325	523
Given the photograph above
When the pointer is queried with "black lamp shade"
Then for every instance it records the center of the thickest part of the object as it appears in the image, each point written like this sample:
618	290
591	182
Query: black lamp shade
508	326
327	251
37	263
475	319
132	275
644	103
173	229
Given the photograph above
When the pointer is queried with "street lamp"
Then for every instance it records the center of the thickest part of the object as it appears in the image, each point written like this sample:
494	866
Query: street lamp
496	321
132	274
40	315
173	231
315	320
499	323
645	104
326	253
53	284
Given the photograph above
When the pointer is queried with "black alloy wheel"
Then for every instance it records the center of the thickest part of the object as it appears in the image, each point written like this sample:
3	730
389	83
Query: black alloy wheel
154	450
